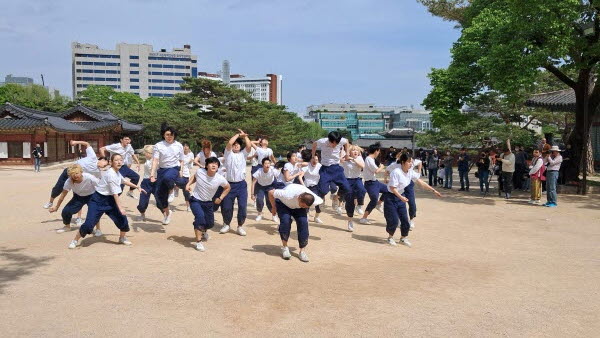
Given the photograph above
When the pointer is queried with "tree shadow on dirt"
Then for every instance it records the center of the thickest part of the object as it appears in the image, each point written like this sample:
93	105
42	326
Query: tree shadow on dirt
15	265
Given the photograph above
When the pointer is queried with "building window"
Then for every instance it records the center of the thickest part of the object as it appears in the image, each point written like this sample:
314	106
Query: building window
134	57
113	72
134	65
15	149
134	80
99	71
134	72
113	64
134	87
88	70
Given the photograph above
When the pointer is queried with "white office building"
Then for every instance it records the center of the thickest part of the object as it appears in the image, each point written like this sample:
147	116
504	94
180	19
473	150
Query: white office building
266	88
132	68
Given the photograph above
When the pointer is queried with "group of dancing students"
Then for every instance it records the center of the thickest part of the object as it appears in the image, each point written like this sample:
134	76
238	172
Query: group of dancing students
289	189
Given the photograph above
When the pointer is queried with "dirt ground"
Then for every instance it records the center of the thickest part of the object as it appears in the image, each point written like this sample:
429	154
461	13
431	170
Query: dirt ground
478	267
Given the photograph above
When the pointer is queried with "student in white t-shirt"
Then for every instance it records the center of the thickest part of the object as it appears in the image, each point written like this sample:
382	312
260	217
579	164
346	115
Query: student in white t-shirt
353	167
331	148
207	181
394	207
146	185
105	200
290	202
181	182
262	182
124	148
205	153
311	181
167	166
292	171
90	164
373	186
236	152
83	186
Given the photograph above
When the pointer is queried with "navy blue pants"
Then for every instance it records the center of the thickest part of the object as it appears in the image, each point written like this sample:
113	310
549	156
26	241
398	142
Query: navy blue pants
333	174
145	197
394	210
254	169
181	182
165	181
99	205
238	190
278	185
261	192
316	191
409	192
126	172
73	207
204	214
60	183
285	223
357	191
374	188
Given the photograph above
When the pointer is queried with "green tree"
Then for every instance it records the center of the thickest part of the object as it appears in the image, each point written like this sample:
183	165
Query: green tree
503	47
33	96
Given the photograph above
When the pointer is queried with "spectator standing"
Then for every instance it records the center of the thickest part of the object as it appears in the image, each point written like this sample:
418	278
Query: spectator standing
553	161
37	153
566	168
520	167
448	163
391	156
483	172
508	169
432	166
464	161
536	172
424	155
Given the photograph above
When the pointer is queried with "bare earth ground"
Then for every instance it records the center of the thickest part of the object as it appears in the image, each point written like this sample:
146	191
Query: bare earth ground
478	267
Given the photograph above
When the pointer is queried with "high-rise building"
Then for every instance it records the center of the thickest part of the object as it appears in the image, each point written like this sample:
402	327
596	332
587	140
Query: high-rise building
366	120
133	68
21	80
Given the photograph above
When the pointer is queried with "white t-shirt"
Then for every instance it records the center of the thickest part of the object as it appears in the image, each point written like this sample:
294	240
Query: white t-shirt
188	163
369	173
89	163
299	157
416	163
330	155
207	186
311	174
222	170
110	183
148	168
280	178
289	195
127	152
292	170
235	163
351	168
262	153
265	178
202	158
400	179
252	157
168	154
393	166
86	187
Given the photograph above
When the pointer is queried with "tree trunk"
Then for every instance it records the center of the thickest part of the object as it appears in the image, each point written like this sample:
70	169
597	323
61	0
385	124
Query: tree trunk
579	131
590	156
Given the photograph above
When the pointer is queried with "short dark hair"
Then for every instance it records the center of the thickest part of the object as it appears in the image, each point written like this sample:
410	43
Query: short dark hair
102	158
165	128
112	157
124	136
264	160
463	148
300	147
405	157
240	142
185	144
306	155
290	154
307	198
212	160
373	148
280	164
334	136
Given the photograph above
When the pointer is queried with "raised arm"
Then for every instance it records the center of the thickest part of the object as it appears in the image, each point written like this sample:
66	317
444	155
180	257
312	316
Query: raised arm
314	149
84	143
232	141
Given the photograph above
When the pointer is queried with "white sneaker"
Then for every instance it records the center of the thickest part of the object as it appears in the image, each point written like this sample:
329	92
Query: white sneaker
98	233
404	241
380	208
47	205
188	209
318	220
205	236
412	224
276	219
359	210
130	194
79	222
176	192
63	229
142	217
339	211
200	246
391	241
224	229
303	257
240	231
530	201
167	218
171	197
364	221
258	218
536	202
73	244
124	240
350	226
285	253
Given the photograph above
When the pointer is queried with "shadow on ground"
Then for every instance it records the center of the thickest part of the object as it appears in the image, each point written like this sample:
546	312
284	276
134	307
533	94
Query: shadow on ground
15	265
271	250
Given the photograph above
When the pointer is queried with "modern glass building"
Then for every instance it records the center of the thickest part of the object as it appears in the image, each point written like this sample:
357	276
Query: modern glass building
132	68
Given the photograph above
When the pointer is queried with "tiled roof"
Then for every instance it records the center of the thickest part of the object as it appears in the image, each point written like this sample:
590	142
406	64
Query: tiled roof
561	100
27	118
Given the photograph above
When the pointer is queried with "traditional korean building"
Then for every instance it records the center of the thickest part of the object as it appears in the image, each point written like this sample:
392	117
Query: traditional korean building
21	128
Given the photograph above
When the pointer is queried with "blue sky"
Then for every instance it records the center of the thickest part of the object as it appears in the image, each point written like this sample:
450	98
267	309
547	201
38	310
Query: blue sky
355	51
